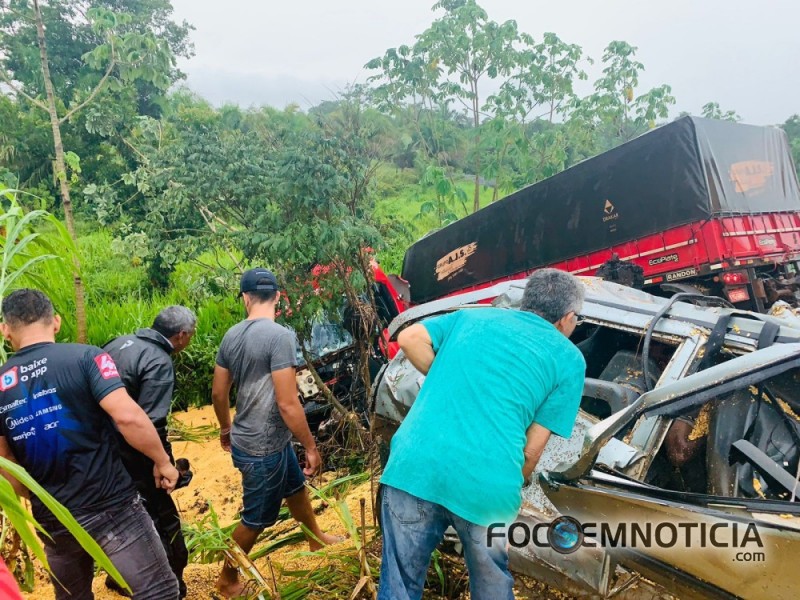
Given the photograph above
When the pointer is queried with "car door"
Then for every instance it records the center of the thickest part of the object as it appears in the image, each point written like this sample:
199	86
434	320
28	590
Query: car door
758	545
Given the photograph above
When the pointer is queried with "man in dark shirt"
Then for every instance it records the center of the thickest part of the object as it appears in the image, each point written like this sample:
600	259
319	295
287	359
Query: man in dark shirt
145	367
55	404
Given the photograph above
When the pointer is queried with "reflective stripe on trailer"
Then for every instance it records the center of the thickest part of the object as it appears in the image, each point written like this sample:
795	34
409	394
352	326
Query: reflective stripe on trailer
759	231
640	255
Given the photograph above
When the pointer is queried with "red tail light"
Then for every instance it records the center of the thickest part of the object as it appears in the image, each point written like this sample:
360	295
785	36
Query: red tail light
734	278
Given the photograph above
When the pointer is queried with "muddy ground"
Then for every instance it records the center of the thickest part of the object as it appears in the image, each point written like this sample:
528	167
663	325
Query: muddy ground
217	483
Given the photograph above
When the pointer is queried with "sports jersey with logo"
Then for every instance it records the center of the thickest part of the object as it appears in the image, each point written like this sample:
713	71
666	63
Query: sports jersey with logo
51	418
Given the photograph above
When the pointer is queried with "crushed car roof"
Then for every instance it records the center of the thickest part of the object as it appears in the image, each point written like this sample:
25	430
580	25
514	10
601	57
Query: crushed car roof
627	307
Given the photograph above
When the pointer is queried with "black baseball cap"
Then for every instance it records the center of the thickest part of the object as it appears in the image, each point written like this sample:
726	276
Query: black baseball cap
258	280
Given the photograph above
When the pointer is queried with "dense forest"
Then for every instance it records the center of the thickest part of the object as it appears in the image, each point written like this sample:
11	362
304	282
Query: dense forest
164	198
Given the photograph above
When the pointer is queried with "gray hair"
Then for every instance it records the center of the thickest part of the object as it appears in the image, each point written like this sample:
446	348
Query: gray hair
551	294
173	320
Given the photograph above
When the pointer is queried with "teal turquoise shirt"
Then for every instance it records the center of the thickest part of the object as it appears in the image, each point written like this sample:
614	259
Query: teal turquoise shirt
496	372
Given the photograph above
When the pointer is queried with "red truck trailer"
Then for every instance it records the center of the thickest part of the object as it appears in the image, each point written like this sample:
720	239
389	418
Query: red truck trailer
698	204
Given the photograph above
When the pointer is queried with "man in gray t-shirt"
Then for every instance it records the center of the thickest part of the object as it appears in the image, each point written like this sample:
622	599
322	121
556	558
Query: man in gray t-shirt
259	356
251	351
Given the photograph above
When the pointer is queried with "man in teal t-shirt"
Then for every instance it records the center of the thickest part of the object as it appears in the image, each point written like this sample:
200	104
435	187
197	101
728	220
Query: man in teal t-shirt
498	383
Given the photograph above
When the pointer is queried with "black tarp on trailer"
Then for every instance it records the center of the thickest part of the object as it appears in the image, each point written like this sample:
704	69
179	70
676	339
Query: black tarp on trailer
679	173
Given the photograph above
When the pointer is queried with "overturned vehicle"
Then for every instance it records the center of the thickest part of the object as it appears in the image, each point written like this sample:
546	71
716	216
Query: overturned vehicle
681	475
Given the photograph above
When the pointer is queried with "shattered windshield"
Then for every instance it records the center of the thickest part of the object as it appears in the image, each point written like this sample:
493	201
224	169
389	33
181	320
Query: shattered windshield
326	338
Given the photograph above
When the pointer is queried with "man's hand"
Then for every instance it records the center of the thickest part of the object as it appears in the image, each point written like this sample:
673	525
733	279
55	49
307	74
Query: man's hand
166	476
225	439
313	462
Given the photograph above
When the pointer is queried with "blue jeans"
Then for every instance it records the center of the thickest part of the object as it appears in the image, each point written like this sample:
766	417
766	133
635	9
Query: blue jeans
127	535
266	481
412	528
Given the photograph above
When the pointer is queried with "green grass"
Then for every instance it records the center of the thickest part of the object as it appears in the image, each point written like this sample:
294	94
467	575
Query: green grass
400	204
109	276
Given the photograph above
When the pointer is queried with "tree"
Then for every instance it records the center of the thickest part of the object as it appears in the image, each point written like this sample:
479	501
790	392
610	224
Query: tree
528	145
471	47
96	132
274	187
448	201
792	129
711	110
614	112
408	86
125	58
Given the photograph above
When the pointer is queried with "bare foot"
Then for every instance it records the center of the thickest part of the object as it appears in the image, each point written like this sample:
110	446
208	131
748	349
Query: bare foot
230	589
327	539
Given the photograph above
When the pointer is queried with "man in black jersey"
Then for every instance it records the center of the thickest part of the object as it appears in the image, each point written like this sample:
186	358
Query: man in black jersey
59	404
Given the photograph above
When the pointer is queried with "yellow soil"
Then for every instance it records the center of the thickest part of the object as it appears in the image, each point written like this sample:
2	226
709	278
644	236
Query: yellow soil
216	480
700	428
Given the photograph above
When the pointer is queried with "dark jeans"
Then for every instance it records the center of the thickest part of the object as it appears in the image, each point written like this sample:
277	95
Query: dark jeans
160	507
266	481
412	528
127	535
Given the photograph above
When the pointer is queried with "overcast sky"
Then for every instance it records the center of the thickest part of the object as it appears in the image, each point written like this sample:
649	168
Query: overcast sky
742	54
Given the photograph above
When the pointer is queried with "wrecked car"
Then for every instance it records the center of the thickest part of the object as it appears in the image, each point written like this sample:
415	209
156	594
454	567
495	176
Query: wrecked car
681	474
334	355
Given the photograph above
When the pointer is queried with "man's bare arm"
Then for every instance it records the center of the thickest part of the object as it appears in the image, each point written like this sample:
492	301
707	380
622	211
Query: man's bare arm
294	416
137	429
292	411
5	452
537	437
417	345
221	399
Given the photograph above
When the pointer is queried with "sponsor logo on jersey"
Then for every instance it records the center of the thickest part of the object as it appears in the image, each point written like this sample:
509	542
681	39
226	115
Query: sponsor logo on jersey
108	368
9	379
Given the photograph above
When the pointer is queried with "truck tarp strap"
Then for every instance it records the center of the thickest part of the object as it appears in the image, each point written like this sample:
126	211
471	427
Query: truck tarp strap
769	333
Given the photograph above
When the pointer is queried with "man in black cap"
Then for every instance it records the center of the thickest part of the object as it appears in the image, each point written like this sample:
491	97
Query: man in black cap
260	356
144	362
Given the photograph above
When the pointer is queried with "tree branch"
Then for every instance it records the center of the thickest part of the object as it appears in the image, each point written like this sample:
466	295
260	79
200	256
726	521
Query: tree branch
16	90
94	92
141	156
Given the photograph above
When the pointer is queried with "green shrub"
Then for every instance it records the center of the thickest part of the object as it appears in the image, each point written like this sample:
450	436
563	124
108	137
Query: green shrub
194	367
108	275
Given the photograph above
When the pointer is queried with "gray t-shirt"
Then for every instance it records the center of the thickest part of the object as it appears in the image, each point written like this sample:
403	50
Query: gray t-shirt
251	351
